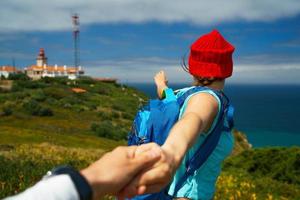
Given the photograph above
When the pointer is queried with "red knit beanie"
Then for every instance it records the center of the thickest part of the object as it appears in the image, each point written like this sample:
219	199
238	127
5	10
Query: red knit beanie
211	56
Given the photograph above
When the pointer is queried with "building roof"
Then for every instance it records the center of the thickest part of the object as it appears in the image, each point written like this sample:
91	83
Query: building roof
78	90
8	68
53	68
109	80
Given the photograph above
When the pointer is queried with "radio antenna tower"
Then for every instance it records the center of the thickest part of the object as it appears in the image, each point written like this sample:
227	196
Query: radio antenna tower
75	20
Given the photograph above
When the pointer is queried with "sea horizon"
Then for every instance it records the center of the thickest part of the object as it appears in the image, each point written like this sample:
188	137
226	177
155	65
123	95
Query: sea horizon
266	113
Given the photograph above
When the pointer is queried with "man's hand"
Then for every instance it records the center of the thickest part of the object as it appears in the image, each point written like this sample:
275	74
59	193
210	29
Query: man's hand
153	178
117	168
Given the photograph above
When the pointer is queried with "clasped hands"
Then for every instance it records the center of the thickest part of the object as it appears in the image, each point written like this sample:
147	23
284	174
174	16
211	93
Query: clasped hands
129	171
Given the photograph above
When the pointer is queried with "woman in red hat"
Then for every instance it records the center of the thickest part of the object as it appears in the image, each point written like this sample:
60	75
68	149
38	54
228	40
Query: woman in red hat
210	63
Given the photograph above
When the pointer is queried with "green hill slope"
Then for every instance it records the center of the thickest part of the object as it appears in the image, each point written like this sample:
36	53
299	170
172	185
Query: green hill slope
49	111
45	123
264	173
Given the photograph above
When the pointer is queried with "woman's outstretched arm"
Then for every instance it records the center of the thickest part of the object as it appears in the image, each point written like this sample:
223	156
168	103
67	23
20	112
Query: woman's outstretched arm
198	117
161	83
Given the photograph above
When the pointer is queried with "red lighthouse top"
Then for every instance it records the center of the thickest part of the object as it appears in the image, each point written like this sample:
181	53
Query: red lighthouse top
42	52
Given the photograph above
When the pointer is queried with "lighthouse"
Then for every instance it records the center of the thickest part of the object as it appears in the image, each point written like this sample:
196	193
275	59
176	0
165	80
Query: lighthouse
41	60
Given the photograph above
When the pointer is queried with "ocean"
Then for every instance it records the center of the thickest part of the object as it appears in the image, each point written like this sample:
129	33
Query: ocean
267	114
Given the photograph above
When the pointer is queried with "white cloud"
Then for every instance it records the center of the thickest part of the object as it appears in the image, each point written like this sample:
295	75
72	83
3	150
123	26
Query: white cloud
38	15
137	69
143	70
288	73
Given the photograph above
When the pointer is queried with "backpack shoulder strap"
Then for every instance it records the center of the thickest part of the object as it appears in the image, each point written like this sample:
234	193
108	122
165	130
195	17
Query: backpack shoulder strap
210	143
189	92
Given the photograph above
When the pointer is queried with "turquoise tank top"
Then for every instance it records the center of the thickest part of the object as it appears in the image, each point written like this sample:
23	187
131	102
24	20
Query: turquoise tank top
201	185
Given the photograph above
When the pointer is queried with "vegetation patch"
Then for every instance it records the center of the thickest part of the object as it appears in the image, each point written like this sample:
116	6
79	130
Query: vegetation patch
85	125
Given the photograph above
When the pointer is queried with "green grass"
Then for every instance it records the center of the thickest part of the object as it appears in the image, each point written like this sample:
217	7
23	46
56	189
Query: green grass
30	140
28	105
23	165
31	144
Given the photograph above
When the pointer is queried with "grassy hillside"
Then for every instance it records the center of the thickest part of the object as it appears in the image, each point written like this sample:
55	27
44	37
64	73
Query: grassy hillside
45	123
49	111
264	173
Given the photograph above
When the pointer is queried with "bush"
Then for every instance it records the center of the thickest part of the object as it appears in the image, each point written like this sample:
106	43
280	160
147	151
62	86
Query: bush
51	80
51	101
56	93
115	114
72	100
275	163
86	80
39	96
107	130
45	112
6	111
103	91
104	116
21	84
19	95
19	76
104	129
2	77
127	116
119	106
79	108
33	107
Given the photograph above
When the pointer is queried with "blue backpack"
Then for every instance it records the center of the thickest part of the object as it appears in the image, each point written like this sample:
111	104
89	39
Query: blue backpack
154	121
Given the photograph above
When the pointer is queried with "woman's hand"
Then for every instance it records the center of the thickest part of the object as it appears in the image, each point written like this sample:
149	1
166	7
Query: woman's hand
154	178
161	82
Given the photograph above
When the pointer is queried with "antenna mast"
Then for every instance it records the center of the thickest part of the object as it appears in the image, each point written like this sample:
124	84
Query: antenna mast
75	20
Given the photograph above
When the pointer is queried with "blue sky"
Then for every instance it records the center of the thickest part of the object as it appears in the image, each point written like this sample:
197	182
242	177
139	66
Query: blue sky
132	39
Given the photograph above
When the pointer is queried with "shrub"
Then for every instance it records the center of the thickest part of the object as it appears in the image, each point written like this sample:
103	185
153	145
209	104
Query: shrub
91	105
51	101
2	77
39	96
104	115
56	93
19	95
21	84
19	76
53	80
72	100
127	116
103	129
45	112
119	106
6	111
115	114
86	80
33	107
103	91
79	108
107	130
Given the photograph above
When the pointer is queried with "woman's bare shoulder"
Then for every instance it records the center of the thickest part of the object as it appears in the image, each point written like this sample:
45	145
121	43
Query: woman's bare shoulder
205	106
203	99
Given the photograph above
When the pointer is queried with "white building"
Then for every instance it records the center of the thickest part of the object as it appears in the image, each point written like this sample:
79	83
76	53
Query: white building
42	69
6	70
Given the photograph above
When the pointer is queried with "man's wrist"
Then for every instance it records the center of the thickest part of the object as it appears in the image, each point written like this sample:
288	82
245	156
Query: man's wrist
81	184
98	185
